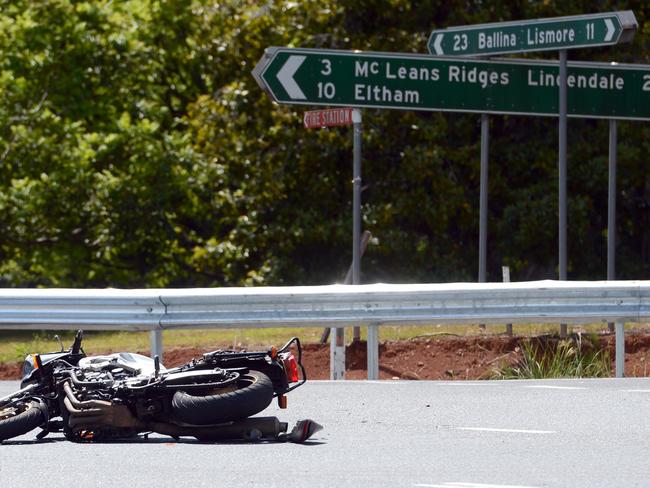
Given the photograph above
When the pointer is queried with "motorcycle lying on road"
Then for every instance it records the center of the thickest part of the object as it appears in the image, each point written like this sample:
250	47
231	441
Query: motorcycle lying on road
99	398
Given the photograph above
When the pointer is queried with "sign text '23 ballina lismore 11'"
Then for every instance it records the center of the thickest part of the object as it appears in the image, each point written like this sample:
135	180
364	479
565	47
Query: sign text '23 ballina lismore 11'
421	82
572	32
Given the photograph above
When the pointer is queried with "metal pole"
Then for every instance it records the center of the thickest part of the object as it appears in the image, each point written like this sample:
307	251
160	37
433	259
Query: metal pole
611	207
372	346
156	343
483	200
562	149
356	199
482	239
337	344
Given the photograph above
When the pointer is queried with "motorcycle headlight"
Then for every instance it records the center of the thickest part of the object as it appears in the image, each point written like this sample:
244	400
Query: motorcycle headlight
29	365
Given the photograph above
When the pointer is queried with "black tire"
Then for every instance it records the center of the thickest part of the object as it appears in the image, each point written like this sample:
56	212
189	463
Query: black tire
23	418
253	394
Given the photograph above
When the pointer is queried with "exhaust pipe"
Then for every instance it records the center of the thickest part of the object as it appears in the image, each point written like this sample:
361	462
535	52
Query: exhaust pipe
97	413
250	429
87	412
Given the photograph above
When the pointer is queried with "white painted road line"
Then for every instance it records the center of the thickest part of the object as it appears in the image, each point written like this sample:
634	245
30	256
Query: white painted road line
515	431
636	391
552	387
460	484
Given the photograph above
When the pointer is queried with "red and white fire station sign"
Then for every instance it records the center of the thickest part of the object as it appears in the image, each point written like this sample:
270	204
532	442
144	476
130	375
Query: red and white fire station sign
327	118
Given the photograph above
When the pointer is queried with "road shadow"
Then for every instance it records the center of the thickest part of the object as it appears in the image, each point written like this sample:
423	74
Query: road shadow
158	440
21	442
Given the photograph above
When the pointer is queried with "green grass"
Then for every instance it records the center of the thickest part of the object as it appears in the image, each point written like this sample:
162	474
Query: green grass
575	357
14	345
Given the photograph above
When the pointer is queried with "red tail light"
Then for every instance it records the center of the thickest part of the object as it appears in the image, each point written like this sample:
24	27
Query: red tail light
291	368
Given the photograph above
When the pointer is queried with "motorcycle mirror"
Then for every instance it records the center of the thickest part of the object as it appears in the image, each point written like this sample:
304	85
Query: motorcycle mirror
76	345
57	338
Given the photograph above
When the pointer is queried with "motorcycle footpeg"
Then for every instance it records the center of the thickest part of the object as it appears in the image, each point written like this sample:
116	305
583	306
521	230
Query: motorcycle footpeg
42	434
51	426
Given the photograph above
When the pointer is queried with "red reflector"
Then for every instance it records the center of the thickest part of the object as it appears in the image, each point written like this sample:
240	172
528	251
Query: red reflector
291	367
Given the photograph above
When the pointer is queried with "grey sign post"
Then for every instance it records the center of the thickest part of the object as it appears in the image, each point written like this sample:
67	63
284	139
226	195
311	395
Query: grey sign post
562	176
619	327
337	343
356	212
483	197
356	198
337	371
333	118
611	203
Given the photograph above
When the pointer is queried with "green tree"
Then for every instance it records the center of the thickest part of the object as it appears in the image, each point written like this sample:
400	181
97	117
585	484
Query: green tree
137	150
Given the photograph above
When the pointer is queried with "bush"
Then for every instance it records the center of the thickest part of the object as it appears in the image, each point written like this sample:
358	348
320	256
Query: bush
576	357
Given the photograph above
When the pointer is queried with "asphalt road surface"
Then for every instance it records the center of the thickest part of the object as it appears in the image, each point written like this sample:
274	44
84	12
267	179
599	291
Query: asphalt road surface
488	434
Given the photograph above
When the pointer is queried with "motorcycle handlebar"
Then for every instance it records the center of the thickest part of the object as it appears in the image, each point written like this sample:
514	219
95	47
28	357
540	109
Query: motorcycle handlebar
18	394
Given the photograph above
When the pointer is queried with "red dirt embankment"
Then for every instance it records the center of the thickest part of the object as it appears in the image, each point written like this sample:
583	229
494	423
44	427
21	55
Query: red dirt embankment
435	358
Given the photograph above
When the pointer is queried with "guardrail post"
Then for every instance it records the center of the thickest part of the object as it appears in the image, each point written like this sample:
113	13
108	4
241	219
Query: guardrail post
337	354
373	351
506	279
156	342
620	349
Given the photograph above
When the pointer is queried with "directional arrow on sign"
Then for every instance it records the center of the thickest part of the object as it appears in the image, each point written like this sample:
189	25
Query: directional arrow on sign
285	77
610	30
534	35
437	44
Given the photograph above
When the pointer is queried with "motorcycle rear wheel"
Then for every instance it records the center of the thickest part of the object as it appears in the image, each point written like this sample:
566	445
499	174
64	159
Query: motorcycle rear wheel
253	393
20	419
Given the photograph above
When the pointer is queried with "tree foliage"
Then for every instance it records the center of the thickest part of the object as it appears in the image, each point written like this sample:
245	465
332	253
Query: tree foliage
137	150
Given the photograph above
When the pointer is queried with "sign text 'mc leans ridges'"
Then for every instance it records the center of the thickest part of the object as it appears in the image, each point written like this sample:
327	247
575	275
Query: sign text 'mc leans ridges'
572	32
421	82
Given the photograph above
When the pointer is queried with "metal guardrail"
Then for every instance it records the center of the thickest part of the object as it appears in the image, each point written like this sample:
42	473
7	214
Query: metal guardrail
107	309
330	306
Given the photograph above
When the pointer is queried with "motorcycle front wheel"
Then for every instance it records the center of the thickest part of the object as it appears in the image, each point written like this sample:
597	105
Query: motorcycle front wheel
20	418
248	395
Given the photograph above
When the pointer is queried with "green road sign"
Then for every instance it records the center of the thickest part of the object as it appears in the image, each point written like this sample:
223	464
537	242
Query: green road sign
420	82
534	35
